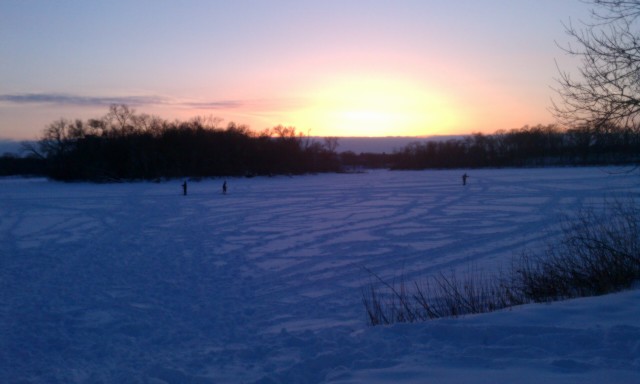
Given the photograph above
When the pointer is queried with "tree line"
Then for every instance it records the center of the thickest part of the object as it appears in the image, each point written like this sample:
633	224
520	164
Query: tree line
11	164
124	145
541	145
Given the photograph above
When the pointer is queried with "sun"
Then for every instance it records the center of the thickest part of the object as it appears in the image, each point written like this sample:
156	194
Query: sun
375	106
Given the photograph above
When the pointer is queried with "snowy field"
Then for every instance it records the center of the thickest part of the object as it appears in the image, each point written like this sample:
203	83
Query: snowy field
135	283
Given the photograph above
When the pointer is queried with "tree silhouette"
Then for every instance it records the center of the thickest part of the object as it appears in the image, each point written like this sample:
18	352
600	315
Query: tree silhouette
125	145
607	88
541	145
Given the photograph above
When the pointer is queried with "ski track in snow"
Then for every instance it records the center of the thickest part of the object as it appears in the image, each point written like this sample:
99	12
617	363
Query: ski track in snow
134	283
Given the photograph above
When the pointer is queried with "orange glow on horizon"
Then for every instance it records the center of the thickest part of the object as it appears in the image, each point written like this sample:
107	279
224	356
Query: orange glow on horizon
374	107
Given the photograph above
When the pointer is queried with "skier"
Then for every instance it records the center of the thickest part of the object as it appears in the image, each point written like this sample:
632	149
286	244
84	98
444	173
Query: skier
184	188
224	187
464	179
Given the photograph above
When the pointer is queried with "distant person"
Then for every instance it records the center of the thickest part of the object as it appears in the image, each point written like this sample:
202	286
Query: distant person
464	179
184	188
224	187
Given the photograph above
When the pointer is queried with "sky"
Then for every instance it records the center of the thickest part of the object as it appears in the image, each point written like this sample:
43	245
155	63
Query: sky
328	68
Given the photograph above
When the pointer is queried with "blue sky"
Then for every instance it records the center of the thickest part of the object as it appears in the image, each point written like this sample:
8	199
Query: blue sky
346	68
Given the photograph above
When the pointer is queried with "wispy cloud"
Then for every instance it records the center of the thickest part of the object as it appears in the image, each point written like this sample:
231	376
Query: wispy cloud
257	108
220	104
93	101
258	112
78	100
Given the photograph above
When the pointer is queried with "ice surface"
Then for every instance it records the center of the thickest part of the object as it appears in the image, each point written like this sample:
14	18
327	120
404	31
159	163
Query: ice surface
135	283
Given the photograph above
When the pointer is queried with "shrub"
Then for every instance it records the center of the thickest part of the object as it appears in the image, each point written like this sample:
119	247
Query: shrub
598	252
435	297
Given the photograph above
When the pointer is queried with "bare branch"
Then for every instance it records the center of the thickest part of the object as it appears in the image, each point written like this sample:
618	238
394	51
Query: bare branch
606	88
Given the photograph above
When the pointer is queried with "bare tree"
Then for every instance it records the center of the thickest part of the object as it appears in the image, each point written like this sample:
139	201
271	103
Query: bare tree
55	139
331	143
120	119
606	90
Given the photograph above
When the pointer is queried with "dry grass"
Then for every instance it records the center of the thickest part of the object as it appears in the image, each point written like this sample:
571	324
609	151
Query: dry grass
598	253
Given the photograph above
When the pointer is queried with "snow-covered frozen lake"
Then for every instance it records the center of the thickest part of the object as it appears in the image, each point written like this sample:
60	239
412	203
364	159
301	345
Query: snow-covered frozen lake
135	283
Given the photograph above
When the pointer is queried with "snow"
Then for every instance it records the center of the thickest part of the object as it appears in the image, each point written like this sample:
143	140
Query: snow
135	283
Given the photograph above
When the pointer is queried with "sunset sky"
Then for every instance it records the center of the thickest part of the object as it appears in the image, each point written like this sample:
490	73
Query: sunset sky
329	68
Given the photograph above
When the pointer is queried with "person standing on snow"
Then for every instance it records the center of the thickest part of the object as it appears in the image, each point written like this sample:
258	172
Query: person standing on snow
184	188
464	179
224	187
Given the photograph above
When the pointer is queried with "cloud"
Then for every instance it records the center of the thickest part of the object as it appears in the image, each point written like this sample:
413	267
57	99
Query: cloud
77	100
192	103
221	104
99	101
